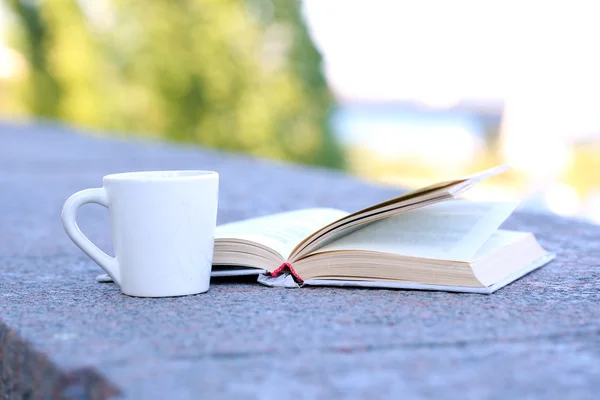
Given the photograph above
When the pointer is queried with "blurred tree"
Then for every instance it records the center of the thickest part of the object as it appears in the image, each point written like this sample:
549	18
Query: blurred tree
240	75
40	88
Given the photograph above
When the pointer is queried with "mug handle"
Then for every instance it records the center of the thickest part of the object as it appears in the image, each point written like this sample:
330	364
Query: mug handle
69	213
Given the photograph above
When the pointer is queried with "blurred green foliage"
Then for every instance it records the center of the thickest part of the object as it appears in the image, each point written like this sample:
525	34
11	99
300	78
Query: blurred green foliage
240	75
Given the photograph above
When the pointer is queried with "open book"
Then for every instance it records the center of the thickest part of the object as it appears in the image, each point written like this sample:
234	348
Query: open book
425	239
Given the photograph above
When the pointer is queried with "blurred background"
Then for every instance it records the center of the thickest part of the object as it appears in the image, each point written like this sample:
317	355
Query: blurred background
399	92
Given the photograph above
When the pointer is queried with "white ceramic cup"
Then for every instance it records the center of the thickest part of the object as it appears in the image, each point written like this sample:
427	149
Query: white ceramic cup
163	225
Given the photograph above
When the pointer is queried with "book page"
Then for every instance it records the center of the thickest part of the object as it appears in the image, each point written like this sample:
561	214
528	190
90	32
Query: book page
501	238
452	230
280	232
418	198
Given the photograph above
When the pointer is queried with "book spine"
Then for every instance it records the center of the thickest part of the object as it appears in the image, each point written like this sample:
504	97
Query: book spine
287	266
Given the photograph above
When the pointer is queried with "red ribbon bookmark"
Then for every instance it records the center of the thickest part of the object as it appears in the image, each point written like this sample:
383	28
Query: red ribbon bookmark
282	268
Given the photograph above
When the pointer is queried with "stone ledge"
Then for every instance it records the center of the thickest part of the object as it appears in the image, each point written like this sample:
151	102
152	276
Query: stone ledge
64	335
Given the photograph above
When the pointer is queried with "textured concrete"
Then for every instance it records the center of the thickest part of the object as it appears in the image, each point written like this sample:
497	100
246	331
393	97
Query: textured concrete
63	335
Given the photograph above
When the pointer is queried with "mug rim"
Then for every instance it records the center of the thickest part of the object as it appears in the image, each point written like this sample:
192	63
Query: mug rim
161	176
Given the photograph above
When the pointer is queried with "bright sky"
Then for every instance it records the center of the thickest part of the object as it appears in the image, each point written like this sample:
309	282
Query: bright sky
443	51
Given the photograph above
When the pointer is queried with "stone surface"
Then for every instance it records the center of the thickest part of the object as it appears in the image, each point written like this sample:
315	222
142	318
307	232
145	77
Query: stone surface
63	335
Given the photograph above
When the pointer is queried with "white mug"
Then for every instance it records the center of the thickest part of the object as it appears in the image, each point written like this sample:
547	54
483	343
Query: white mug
163	225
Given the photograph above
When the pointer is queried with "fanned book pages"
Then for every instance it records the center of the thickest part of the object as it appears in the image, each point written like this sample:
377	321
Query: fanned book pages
428	239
